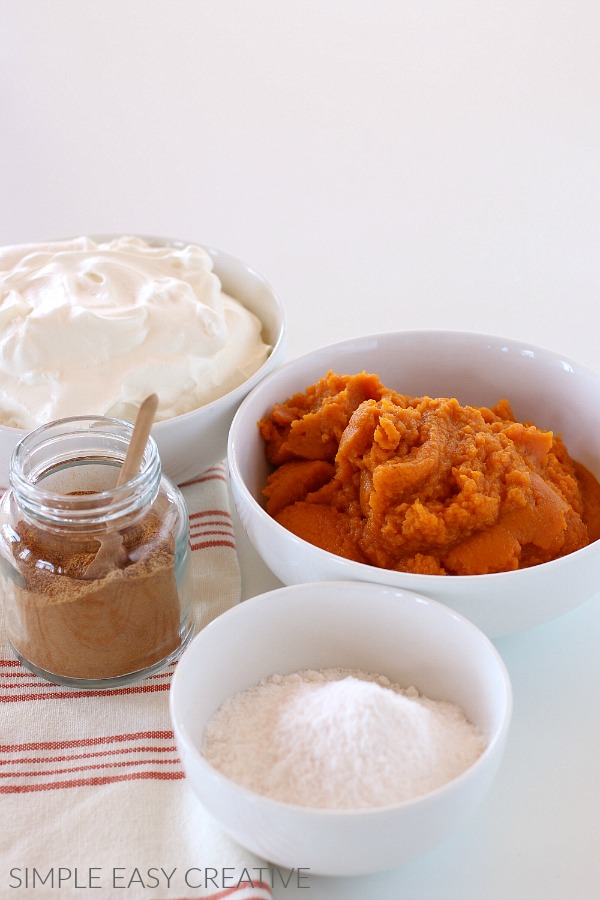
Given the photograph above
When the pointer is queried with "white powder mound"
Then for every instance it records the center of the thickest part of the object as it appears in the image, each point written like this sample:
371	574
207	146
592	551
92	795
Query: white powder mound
339	739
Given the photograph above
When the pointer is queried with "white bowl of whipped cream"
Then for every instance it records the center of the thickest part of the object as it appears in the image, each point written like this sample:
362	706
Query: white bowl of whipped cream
92	325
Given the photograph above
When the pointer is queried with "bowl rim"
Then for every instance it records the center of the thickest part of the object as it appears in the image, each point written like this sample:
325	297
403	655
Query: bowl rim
362	570
277	596
215	254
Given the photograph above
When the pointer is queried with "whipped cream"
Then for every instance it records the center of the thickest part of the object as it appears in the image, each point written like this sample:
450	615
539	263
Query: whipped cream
93	328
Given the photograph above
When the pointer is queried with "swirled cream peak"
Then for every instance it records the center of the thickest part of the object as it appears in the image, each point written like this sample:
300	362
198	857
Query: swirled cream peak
93	327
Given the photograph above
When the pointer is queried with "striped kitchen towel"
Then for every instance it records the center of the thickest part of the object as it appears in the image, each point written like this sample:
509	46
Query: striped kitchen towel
93	798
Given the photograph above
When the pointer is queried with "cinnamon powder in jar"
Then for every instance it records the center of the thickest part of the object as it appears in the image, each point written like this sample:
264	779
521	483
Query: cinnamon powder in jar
96	589
74	627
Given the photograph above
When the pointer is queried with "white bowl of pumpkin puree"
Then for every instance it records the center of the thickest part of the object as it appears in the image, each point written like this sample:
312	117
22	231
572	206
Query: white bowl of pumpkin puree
461	466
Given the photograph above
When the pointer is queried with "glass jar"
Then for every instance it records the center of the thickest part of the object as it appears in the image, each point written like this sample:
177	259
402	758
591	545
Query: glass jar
95	579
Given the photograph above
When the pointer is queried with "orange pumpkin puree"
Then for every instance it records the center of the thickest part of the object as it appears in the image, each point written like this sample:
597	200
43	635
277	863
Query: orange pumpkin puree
423	485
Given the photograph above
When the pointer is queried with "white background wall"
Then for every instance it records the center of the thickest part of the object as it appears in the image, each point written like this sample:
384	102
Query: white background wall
422	163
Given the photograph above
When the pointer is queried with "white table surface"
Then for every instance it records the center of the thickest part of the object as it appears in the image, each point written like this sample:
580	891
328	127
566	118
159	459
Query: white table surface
386	165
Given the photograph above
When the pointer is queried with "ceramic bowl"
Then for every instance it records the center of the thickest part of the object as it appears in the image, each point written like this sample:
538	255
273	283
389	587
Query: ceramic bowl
542	386
373	628
190	443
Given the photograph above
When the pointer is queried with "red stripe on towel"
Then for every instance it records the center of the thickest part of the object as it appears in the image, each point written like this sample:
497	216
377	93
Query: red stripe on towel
89	741
84	782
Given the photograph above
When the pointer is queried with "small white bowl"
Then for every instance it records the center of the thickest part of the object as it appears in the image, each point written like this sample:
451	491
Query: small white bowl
478	370
378	629
190	443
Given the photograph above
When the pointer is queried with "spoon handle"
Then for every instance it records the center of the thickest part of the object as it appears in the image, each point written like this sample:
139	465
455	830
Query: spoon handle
139	439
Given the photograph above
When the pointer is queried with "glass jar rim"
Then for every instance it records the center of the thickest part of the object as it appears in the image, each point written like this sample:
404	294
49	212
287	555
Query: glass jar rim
88	439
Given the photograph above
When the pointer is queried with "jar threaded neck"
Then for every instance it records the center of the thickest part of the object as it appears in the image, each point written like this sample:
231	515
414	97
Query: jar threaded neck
64	474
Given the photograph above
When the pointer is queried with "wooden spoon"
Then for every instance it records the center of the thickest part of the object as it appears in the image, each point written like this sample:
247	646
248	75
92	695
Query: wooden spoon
111	551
